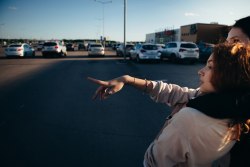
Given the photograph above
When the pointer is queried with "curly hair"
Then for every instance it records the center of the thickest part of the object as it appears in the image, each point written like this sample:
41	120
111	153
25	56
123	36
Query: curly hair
231	67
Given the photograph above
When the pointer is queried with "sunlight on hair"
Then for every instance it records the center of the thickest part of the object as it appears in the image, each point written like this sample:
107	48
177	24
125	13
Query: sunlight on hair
236	48
231	135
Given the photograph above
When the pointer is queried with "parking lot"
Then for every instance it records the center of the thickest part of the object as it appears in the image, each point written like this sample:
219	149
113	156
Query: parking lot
48	117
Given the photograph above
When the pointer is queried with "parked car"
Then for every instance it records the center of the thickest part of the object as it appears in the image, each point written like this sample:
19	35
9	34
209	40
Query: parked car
160	46
96	49
54	48
76	46
20	50
70	47
117	46
176	51
40	46
205	50
114	46
81	46
86	46
205	53
145	52
119	50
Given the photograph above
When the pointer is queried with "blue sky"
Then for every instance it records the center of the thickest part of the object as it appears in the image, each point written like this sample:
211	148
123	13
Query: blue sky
83	19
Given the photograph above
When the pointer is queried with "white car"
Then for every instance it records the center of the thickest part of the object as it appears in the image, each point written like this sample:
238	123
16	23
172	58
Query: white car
96	49
119	50
176	51
160	46
54	48
145	52
20	50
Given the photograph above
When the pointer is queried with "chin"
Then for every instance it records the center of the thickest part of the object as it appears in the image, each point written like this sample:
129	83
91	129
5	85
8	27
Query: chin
204	91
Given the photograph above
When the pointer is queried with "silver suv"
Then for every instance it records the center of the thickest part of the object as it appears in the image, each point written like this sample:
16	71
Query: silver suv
52	48
176	51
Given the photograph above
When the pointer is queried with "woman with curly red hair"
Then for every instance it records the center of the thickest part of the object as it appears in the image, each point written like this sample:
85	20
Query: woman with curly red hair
207	122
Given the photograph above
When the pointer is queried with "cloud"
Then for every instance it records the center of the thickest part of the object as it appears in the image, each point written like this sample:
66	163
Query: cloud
231	13
190	14
12	8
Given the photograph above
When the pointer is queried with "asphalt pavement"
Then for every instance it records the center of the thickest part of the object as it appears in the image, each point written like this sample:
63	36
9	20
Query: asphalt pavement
47	116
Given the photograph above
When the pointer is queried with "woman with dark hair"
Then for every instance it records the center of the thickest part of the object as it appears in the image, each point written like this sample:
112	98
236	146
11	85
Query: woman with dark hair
240	32
198	132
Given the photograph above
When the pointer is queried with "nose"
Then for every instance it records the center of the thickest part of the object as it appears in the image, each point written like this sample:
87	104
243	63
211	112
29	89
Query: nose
200	72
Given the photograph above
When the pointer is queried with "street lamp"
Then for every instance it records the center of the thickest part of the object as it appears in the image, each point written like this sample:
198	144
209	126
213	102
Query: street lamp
125	20
1	33
103	3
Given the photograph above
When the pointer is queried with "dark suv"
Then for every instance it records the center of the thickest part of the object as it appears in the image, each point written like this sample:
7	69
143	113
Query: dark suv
205	50
70	47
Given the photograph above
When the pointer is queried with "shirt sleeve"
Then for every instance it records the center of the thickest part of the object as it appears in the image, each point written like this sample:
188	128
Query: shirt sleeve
171	94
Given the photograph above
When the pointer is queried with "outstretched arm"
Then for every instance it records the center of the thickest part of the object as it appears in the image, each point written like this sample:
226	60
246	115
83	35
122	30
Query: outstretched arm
110	87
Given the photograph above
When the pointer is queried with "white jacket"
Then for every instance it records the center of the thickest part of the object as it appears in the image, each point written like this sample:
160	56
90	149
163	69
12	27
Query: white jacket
190	138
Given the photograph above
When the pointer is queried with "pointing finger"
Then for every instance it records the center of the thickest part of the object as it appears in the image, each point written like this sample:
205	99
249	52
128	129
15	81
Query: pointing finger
97	81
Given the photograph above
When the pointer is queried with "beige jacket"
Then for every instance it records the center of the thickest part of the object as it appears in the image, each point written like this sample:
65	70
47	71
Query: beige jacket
190	138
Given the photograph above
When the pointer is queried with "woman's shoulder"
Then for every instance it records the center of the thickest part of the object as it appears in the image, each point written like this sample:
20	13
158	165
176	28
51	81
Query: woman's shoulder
205	135
198	121
189	113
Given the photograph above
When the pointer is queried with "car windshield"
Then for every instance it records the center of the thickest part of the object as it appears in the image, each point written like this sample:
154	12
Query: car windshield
50	44
149	47
188	45
13	46
129	46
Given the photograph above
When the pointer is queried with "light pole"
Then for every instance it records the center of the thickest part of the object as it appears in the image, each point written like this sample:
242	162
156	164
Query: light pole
1	33
103	27
125	19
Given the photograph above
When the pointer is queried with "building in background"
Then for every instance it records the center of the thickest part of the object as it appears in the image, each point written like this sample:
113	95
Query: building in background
208	33
199	32
163	36
150	38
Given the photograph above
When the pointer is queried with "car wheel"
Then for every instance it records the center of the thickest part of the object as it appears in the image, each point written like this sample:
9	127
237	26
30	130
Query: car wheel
33	54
